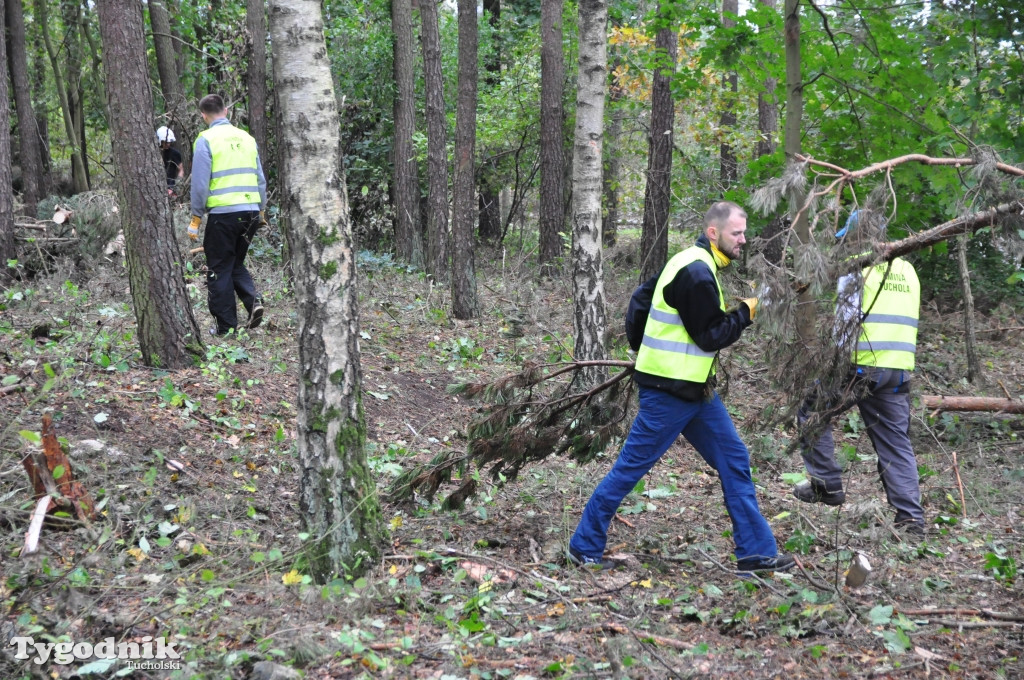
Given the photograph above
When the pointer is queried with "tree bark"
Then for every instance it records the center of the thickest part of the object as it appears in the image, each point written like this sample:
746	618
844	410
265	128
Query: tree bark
987	404
256	72
176	106
97	71
406	188
794	114
7	245
489	227
610	180
78	174
29	153
168	333
727	156
337	493
39	105
767	110
464	299
71	14
588	275
437	140
658	192
973	363
552	137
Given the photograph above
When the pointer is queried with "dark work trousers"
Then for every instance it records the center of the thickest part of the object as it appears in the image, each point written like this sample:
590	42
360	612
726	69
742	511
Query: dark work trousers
708	427
883	397
226	243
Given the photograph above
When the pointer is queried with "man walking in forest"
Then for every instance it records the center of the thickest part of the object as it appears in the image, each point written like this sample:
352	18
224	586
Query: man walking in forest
172	158
228	183
675	370
880	307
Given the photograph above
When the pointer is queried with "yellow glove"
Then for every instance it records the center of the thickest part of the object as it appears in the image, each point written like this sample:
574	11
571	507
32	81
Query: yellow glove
193	228
263	219
751	304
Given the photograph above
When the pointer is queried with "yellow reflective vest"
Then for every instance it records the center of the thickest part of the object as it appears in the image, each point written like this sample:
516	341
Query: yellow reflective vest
890	311
667	349
233	179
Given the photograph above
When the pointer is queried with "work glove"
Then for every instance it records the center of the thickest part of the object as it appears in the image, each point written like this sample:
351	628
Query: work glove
751	304
193	228
263	219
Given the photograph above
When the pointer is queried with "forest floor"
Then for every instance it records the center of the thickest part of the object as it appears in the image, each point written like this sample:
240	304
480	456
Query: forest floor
210	556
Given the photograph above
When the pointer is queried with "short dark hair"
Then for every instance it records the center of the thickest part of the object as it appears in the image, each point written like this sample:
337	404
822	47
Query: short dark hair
720	212
212	103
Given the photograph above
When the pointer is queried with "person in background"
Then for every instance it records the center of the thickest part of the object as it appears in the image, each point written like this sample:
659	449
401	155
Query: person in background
675	370
172	158
228	184
880	307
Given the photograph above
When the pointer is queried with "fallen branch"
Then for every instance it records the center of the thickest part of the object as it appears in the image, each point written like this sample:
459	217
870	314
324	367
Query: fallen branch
659	640
957	611
986	404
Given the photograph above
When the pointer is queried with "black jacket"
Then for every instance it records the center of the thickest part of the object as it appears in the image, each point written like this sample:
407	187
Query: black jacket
694	294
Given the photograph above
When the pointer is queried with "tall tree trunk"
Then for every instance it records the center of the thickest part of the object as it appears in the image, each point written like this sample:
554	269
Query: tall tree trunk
612	152
973	363
794	116
71	14
337	493
29	148
490	184
767	129
437	140
168	333
464	299
176	106
256	72
588	275
7	245
39	106
727	123
658	193
98	84
406	187
78	174
552	137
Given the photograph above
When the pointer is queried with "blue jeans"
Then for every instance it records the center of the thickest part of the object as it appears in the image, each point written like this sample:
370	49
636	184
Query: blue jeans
708	427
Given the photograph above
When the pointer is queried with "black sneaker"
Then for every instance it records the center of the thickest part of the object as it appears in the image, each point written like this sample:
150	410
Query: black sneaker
812	491
759	565
256	315
597	564
911	530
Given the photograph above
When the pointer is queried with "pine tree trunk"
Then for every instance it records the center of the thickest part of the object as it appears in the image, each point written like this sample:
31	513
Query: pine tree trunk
78	174
437	140
406	190
552	137
489	228
256	73
71	14
168	333
658	193
973	363
98	85
767	110
30	153
337	494
588	275
727	123
176	106
39	99
464	299
794	116
8	251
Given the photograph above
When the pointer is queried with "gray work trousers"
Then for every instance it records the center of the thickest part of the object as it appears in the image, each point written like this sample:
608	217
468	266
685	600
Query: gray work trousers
883	398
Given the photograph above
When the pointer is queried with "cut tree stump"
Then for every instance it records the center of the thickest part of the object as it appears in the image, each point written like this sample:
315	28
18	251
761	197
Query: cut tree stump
987	404
51	475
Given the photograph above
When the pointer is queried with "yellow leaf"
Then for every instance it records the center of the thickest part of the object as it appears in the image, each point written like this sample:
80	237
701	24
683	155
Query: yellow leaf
485	586
292	578
396	522
393	570
557	609
137	554
646	583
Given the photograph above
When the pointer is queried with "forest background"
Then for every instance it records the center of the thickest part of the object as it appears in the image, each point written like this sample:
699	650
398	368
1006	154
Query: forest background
458	129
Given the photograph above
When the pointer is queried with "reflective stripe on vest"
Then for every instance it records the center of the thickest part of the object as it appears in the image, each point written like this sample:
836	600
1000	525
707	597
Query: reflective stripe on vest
888	337
668	350
233	179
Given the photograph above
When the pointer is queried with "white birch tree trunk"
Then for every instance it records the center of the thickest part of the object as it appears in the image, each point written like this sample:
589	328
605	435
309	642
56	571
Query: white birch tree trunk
337	494
587	269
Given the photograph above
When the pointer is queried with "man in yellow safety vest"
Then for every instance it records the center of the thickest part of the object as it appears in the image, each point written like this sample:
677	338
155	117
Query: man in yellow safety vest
228	183
675	369
879	307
